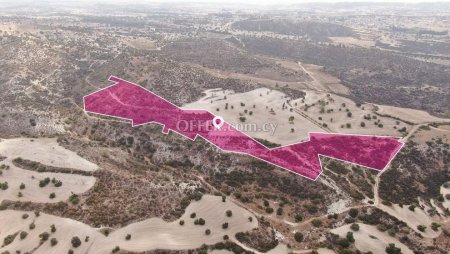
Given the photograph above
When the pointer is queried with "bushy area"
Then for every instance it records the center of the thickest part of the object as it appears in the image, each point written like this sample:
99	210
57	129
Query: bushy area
349	176
318	31
371	74
419	170
262	238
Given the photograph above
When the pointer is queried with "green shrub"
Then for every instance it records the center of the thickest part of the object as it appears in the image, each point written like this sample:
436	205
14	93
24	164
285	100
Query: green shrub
344	242
44	236
9	239
391	249
53	242
353	212
316	223
435	226
23	235
354	227
76	242
74	199
298	236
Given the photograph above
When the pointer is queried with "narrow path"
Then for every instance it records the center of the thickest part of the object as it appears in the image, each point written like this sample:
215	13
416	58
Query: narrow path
315	83
378	177
312	120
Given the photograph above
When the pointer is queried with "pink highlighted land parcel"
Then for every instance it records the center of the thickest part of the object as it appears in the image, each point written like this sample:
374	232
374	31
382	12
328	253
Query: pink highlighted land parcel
130	101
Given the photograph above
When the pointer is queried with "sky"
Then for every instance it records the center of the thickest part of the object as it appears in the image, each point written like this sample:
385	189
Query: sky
235	1
247	3
285	1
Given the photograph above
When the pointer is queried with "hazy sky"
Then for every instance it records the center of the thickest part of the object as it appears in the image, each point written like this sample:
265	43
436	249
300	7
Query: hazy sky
240	1
284	1
263	2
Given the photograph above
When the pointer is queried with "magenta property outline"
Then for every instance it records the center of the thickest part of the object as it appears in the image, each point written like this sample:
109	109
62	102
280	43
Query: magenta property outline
130	101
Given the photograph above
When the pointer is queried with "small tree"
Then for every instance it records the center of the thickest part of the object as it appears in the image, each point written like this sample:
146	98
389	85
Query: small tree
279	211
391	249
76	242
435	226
74	199
181	222
128	237
8	239
207	232
269	210
421	228
354	227
353	212
53	242
344	242
229	213
316	223
350	237
44	236
23	235
298	236
58	183
225	225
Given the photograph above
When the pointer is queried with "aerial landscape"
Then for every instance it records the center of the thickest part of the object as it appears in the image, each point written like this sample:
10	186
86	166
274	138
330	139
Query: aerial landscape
224	127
